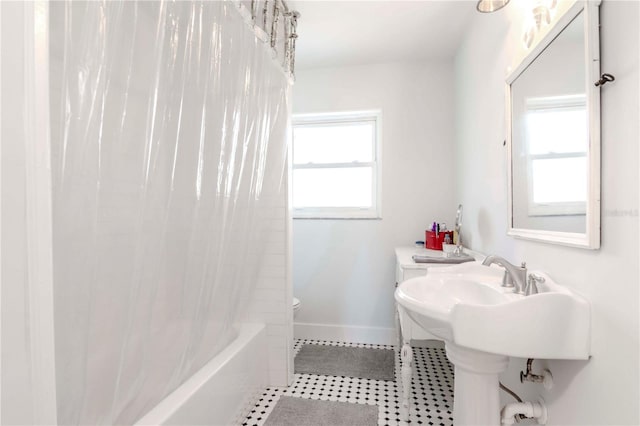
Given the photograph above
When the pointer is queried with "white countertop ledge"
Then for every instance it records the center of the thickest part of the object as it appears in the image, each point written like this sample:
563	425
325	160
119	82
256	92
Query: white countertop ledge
404	256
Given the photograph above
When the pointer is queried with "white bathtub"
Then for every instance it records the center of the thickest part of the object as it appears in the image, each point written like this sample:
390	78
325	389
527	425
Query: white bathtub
224	390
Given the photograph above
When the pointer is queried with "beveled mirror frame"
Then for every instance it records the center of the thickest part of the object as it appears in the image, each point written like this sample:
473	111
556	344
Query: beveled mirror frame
591	238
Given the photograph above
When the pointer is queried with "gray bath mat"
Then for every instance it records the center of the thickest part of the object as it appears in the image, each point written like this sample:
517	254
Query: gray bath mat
365	363
307	412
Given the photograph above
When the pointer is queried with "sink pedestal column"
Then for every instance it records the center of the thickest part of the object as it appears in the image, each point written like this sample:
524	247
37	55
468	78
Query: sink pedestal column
476	386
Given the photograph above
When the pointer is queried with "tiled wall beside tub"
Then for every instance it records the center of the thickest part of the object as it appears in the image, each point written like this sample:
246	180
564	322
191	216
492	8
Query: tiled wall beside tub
270	302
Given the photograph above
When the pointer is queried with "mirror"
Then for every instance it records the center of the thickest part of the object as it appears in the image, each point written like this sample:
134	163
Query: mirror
554	135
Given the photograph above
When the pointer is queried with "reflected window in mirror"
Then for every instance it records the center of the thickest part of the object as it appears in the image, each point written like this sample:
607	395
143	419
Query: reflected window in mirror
556	150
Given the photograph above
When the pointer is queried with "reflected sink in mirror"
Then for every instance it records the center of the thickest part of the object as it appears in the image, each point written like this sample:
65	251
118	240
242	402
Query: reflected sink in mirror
467	305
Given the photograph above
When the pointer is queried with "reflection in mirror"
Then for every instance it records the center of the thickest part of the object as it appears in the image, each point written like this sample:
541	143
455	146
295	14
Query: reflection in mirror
550	141
553	134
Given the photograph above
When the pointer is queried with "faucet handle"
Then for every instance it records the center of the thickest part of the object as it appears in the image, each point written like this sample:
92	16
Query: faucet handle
532	284
536	278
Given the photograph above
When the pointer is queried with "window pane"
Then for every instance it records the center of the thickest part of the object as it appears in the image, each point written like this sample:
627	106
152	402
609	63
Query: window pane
557	130
560	180
344	187
333	143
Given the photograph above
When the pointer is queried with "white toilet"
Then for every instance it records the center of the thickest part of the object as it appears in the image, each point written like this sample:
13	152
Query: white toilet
296	306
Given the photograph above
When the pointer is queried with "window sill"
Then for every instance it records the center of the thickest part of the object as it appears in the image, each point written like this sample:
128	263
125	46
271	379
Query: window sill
333	214
334	218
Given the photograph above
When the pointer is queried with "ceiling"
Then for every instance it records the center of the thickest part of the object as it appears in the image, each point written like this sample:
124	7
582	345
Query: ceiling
340	33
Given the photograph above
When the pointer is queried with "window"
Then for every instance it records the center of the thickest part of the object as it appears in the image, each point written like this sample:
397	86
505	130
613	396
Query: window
557	155
336	171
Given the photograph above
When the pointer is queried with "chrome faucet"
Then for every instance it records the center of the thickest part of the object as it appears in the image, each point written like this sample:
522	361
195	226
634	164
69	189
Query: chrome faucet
514	275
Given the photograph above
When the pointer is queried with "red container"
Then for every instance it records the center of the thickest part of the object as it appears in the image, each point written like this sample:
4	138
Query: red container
435	243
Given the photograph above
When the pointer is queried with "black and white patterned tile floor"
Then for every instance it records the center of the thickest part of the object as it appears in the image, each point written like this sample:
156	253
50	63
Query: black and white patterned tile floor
432	388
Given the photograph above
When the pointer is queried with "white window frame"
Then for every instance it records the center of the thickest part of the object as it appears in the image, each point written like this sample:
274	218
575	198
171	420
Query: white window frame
374	212
561	208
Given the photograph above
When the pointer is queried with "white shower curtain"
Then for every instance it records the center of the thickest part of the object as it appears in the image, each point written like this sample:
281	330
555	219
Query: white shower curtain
169	139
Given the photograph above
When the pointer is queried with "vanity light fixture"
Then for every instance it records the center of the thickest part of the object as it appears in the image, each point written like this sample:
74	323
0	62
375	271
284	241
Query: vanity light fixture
488	6
542	12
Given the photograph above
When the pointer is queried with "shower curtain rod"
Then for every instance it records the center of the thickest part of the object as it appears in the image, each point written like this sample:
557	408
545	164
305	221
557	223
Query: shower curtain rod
272	11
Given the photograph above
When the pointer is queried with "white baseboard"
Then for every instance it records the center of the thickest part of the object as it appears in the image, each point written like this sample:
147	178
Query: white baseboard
345	333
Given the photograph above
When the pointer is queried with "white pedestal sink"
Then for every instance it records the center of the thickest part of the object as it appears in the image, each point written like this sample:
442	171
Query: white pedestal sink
476	400
483	324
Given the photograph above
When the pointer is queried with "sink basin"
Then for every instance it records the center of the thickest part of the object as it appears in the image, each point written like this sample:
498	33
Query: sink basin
467	306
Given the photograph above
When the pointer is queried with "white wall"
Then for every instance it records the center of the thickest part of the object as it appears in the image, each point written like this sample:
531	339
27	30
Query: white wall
603	390
17	394
27	379
343	270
